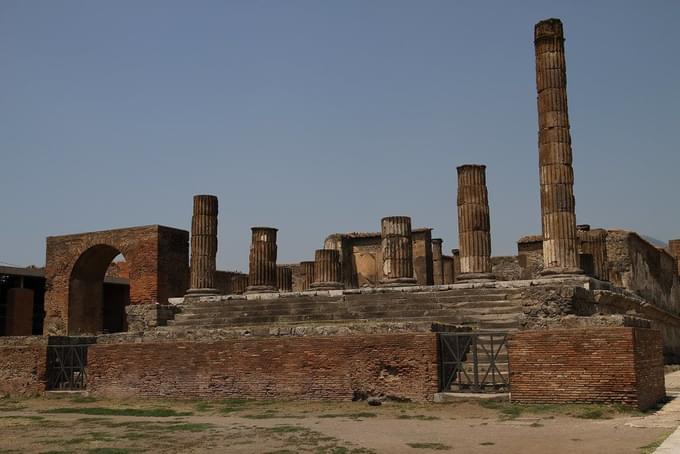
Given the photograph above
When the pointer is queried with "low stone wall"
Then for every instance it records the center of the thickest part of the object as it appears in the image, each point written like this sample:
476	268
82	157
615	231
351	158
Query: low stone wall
592	365
403	366
22	366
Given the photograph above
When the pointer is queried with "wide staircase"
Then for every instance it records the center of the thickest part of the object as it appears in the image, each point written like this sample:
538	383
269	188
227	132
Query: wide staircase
481	308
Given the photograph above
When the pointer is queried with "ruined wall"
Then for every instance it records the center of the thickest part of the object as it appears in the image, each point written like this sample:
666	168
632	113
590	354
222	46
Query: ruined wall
604	365
361	257
637	265
22	366
337	367
506	268
530	256
19	312
157	257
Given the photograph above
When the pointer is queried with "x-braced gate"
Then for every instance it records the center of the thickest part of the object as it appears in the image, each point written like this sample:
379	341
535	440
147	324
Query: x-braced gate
473	361
67	364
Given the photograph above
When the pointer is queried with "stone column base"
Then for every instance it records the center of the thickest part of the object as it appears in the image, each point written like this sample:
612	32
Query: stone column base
475	277
561	271
399	282
202	292
326	286
261	289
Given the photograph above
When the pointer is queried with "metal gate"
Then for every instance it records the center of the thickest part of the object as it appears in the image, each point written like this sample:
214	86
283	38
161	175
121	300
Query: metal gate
67	366
473	362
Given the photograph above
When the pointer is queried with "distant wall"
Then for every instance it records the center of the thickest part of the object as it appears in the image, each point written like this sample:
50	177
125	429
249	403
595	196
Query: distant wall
593	365
506	268
22	366
338	367
637	265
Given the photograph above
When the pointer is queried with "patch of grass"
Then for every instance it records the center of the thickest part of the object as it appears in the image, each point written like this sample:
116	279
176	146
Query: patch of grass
83	399
110	451
651	447
358	415
271	414
203	406
30	417
592	413
435	446
101	436
487	443
418	417
188	427
12	407
47	452
148	412
510	410
135	436
286	429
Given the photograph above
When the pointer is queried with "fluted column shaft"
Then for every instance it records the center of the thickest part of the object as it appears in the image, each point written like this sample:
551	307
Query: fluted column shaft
203	245
239	284
284	278
307	275
327	270
397	251
558	216
474	235
262	264
437	261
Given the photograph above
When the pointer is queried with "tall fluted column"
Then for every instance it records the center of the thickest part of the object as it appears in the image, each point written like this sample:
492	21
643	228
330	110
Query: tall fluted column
437	261
397	251
593	251
284	278
262	264
327	271
203	245
560	241
674	246
307	274
474	227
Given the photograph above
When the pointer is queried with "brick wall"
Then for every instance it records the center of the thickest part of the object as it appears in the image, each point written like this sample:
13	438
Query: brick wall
22	368
157	258
603	364
335	367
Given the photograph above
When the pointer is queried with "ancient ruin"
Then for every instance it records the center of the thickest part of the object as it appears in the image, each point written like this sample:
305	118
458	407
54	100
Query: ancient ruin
591	313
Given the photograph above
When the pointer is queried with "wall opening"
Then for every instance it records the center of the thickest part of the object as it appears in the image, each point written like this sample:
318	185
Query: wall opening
96	306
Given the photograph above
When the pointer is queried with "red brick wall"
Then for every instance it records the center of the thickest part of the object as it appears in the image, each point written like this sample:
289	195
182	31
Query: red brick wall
158	262
333	367
603	364
22	370
19	312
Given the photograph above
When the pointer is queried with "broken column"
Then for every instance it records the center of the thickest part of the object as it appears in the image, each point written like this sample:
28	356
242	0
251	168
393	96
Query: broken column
560	242
262	263
203	245
239	283
674	246
593	251
327	271
307	274
397	251
284	278
474	235
437	261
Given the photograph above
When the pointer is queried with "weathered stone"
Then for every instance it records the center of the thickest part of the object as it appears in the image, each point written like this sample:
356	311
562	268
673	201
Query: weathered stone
560	241
203	245
473	224
593	252
307	275
327	272
674	247
437	261
262	263
284	278
397	251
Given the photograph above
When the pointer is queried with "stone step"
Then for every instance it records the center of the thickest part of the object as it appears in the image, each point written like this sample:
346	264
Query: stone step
318	308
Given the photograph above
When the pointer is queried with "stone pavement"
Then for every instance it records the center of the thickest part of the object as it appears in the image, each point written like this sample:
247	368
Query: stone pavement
668	416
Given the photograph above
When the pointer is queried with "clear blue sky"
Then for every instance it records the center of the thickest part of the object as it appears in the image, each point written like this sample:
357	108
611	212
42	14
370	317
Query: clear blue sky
323	116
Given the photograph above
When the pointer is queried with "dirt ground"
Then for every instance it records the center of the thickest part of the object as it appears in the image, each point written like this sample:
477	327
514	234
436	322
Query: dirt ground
77	424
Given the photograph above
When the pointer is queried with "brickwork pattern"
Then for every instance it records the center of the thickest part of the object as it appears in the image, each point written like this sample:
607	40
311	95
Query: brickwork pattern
338	367
158	260
602	364
22	370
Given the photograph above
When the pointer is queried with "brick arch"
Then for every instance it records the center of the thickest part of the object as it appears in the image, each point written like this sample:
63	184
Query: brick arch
158	260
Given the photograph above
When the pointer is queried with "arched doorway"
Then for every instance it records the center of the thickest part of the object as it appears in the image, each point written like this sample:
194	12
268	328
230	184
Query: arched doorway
95	306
